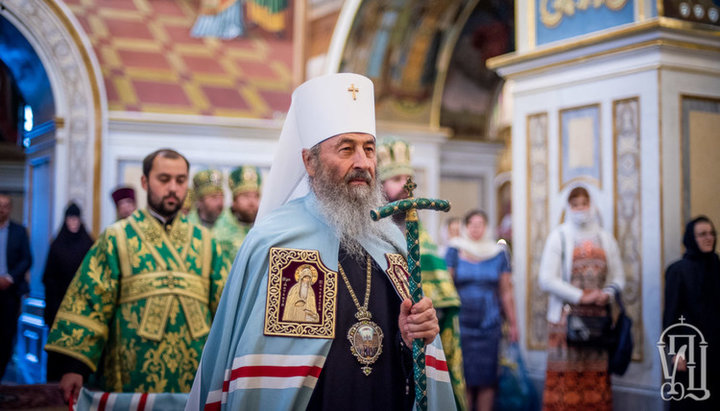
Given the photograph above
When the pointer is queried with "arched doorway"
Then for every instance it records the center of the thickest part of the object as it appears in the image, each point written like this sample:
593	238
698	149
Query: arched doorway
60	150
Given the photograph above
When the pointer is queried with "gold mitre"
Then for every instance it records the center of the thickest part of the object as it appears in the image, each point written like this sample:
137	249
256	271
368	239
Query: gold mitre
207	182
244	179
393	158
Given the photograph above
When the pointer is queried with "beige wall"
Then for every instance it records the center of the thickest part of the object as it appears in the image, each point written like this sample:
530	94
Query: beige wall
463	193
705	165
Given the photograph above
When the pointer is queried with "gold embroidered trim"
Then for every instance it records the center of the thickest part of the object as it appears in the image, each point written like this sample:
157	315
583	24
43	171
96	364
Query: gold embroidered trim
83	321
150	231
206	255
146	285
398	273
280	259
179	258
74	354
148	236
195	316
179	234
118	230
187	236
154	317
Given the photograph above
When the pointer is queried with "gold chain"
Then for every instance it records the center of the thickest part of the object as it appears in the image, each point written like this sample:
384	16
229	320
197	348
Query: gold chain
364	308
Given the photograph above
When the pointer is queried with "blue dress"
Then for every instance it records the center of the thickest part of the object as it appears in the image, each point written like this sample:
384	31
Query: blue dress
477	284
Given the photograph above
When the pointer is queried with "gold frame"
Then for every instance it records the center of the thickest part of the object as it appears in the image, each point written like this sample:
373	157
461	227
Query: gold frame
587	179
660	182
604	36
629	47
402	286
640	10
528	238
531	27
281	258
638	321
682	97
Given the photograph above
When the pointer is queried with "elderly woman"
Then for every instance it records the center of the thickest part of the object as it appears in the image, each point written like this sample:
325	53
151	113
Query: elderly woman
581	269
484	282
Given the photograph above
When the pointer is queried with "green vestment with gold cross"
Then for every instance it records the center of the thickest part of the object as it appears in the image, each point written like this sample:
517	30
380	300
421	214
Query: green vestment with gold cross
438	285
141	304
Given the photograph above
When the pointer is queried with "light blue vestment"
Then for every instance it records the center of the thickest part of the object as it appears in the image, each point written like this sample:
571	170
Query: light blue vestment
243	369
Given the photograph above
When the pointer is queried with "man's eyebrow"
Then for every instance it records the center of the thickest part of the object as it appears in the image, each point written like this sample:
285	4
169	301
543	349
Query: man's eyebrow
348	140
168	175
345	140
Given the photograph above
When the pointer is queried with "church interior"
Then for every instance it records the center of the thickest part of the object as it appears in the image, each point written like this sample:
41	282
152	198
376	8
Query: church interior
507	104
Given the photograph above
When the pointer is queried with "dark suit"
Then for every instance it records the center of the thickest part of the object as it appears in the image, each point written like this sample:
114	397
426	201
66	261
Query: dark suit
18	263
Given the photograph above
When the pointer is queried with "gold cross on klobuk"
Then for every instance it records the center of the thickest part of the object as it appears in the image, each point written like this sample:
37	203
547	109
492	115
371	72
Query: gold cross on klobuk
353	90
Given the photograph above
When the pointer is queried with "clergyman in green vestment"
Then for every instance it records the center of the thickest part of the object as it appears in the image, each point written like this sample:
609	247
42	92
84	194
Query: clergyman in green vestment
235	222
394	168
136	316
209	198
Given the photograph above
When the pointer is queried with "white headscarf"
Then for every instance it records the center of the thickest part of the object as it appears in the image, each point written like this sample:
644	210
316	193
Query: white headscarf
321	108
480	250
583	223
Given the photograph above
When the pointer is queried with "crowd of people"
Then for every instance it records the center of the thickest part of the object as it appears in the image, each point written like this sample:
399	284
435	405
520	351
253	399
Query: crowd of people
309	307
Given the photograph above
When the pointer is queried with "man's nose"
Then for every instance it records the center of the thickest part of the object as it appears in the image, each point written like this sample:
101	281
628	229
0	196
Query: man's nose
173	186
361	160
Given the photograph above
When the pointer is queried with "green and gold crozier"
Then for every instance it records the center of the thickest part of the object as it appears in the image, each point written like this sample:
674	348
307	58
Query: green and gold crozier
438	285
140	306
409	206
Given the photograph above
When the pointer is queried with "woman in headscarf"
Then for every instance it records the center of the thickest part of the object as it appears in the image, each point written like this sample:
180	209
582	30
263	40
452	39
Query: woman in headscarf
692	291
582	271
66	253
483	279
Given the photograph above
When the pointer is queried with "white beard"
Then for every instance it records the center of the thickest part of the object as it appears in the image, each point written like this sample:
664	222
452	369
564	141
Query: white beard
347	210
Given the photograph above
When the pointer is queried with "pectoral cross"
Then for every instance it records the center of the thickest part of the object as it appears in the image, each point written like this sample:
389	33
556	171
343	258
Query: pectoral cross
353	90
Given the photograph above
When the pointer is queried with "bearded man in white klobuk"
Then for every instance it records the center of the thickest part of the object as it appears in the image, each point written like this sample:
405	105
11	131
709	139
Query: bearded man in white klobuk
315	211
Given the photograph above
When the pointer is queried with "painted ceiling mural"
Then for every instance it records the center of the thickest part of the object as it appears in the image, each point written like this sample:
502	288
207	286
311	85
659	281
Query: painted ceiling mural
471	89
400	44
152	63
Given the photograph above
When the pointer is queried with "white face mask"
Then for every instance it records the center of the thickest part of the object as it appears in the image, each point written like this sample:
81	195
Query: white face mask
580	217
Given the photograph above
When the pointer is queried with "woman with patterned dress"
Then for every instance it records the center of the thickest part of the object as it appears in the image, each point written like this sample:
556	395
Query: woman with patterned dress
582	271
483	279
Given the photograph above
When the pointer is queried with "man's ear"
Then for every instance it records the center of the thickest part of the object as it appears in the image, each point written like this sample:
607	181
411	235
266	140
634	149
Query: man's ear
144	182
307	161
